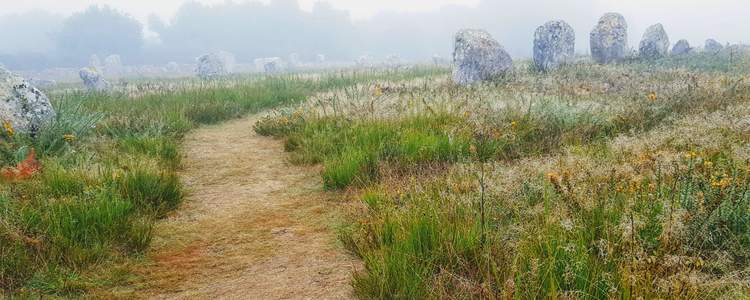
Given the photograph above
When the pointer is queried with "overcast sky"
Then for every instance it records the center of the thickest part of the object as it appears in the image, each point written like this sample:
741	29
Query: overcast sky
414	28
359	9
727	20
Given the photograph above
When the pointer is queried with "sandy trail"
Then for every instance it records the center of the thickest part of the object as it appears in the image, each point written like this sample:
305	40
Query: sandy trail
252	226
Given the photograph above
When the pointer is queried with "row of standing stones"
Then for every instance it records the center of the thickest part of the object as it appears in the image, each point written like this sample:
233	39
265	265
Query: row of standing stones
478	57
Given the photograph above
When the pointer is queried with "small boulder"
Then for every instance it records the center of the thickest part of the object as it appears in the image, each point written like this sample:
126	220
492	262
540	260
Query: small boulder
211	66
113	65
294	60
682	47
273	65
95	62
609	39
655	42
478	57
554	45
712	46
22	105
93	80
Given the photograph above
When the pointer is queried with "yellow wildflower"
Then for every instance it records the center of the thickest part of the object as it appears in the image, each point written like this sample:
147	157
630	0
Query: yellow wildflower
9	128
69	138
378	91
652	96
708	164
514	125
691	155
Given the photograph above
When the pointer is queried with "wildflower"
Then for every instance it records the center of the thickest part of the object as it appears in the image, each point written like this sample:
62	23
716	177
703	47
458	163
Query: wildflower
378	91
514	125
567	224
691	155
25	169
722	183
69	138
652	96
708	164
9	128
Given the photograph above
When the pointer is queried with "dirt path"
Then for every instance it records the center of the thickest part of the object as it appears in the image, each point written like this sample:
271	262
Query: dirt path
252	226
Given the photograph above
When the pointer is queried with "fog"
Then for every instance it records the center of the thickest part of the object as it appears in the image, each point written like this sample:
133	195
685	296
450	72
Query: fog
37	34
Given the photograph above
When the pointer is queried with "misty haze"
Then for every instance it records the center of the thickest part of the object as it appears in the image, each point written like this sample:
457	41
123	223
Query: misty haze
391	149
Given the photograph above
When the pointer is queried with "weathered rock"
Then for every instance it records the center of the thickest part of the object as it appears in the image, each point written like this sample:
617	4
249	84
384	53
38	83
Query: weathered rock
712	46
95	62
172	67
229	60
211	66
22	105
113	65
294	60
93	80
554	45
273	65
609	39
682	47
655	42
478	57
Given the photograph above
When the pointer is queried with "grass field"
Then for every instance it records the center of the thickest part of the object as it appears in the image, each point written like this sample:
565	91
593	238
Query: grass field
590	181
109	164
619	181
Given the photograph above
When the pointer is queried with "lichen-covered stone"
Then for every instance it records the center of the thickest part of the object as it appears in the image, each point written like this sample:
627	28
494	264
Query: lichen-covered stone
273	65
478	57
655	42
211	66
113	65
609	39
554	45
22	105
682	47
712	46
93	80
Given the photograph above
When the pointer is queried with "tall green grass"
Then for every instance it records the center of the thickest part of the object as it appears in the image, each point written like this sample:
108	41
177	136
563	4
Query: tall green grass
109	172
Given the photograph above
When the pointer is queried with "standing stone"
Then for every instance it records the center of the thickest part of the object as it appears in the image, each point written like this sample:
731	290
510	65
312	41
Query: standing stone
172	67
294	60
211	66
95	62
712	46
478	57
113	65
230	61
22	105
655	42
682	47
93	80
554	45
273	65
609	39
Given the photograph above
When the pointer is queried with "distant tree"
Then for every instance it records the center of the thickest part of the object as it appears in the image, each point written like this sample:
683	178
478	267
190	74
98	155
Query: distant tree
99	30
